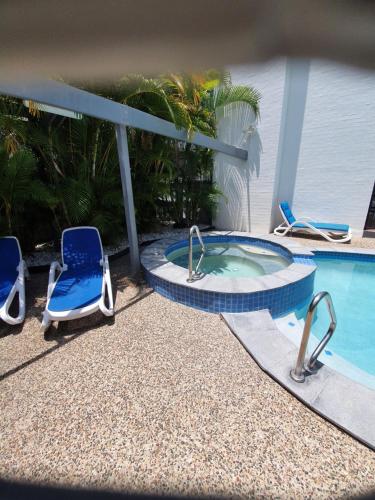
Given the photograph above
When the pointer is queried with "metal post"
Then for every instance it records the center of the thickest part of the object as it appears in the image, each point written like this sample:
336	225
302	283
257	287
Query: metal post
127	192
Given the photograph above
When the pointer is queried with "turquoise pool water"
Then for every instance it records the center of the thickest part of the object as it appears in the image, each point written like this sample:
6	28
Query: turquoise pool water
351	284
231	260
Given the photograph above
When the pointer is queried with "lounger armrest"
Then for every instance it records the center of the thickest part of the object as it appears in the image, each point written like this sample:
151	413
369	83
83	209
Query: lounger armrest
52	276
25	269
106	267
108	284
104	262
21	268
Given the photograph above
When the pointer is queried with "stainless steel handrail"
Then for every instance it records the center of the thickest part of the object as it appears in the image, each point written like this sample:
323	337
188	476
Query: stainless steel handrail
298	373
203	249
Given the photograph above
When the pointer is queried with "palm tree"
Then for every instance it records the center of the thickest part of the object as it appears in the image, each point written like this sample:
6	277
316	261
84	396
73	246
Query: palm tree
166	172
191	102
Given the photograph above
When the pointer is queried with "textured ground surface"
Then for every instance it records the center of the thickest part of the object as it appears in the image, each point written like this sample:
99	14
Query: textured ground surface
162	399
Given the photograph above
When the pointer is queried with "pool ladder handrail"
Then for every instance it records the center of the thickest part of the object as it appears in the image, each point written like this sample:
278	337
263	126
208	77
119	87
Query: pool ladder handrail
195	229
298	374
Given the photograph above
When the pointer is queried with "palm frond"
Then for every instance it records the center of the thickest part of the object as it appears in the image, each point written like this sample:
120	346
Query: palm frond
237	94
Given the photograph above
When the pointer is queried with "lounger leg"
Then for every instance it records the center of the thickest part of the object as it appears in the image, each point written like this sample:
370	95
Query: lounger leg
46	322
281	230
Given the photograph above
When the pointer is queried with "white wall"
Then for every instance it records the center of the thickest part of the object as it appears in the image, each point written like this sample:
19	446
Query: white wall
335	162
336	170
248	187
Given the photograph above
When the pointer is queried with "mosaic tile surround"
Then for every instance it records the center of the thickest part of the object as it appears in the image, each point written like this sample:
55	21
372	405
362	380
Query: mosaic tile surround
279	292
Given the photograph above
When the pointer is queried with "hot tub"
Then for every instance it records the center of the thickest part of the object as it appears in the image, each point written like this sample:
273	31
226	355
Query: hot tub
239	273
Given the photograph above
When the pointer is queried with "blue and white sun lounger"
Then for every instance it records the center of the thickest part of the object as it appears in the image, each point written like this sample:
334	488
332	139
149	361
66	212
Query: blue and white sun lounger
342	232
84	278
12	279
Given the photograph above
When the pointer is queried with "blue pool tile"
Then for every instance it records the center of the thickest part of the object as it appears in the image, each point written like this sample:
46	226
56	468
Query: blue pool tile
278	300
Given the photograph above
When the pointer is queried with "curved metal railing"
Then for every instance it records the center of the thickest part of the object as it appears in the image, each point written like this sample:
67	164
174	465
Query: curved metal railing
194	229
298	373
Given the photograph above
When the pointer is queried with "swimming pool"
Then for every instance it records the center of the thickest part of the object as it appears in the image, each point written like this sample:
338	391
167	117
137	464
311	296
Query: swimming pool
351	283
231	259
350	279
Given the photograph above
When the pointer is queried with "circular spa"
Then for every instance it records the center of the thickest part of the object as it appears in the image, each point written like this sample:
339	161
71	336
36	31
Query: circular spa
230	260
236	273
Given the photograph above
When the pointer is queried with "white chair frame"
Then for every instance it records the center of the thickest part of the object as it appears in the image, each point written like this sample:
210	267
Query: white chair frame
18	287
49	316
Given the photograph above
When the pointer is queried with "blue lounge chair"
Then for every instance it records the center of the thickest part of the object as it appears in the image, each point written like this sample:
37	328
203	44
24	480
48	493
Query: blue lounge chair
335	233
84	278
12	279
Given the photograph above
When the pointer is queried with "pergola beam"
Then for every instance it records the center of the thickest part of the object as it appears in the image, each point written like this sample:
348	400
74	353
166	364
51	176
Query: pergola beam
65	96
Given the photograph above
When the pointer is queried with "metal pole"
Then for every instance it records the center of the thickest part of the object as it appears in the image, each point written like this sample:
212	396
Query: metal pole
203	249
298	373
127	192
190	278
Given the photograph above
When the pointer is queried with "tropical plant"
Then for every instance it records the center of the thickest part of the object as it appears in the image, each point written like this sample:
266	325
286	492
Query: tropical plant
80	164
13	124
60	172
19	187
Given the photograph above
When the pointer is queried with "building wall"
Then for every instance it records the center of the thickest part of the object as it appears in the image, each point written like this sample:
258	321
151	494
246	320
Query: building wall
248	187
330	162
336	169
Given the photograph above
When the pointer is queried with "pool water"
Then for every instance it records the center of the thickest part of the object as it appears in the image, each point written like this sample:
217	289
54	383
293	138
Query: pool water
351	284
231	260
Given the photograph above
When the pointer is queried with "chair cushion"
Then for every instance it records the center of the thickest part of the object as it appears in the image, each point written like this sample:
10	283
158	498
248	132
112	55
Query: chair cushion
325	226
9	253
284	205
77	288
8	277
81	247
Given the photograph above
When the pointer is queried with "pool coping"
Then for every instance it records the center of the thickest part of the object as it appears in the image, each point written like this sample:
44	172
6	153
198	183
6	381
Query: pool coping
322	392
154	261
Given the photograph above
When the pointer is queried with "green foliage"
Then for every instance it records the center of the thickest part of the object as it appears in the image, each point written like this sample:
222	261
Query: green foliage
19	188
58	172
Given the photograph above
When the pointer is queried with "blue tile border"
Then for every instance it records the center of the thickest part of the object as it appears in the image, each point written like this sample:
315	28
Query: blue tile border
278	300
360	257
331	254
279	292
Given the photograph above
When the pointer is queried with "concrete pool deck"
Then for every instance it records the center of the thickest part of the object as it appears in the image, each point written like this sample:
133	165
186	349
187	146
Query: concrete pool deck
340	399
162	399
